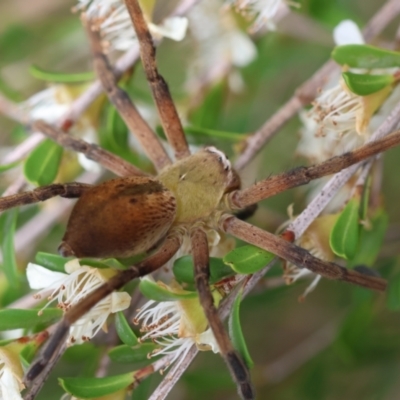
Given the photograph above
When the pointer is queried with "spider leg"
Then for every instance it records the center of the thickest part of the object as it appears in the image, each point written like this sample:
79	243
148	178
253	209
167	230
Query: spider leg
238	369
136	124
145	267
297	255
67	190
108	160
303	175
162	97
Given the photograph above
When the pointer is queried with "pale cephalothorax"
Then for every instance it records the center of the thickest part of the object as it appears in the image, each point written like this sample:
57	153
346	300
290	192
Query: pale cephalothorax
128	216
199	183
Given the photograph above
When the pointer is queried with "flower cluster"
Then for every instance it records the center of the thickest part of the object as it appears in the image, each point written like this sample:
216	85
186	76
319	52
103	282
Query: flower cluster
111	17
176	325
68	289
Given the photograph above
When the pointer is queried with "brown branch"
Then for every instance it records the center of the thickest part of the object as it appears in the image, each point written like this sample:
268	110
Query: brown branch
309	90
162	97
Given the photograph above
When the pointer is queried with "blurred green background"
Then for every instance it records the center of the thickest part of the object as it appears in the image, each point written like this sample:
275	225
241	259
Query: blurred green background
342	342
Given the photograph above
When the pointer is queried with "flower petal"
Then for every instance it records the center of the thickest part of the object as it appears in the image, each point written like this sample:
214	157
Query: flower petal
120	301
9	385
173	28
40	277
347	32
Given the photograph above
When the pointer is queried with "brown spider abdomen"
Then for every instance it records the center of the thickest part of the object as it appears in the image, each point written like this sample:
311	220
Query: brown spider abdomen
119	218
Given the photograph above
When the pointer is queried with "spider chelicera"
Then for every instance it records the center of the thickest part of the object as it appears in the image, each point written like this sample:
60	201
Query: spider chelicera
136	213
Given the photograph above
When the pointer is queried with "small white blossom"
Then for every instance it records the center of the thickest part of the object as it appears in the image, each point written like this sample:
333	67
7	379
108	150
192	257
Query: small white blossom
112	18
51	105
69	289
11	374
175	326
217	48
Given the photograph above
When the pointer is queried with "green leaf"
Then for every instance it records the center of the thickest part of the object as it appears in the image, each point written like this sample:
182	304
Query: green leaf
248	259
127	354
225	135
60	77
365	84
364	56
154	291
393	297
53	262
88	388
124	331
235	330
116	129
28	353
42	164
344	236
6	167
9	260
24	319
371	240
183	270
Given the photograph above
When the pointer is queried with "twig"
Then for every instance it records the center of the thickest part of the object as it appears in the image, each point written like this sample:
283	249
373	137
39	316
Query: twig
37	385
308	91
292	360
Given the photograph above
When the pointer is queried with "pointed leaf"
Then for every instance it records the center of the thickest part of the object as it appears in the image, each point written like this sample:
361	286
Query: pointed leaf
248	259
183	270
9	260
60	77
127	354
364	56
365	84
53	262
24	319
345	233
41	166
88	388
371	240
124	331
235	330
225	135
154	291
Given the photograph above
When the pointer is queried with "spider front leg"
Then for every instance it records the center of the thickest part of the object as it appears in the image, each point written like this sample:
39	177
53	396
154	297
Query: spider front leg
297	255
238	369
162	97
300	176
167	250
120	99
67	190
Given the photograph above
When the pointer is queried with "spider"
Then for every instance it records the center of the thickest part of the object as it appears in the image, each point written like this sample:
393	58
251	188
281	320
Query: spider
194	193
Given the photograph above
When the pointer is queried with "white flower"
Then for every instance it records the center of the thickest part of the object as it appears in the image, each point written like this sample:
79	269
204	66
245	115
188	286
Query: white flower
11	374
51	105
263	11
112	18
315	240
218	47
69	289
175	326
